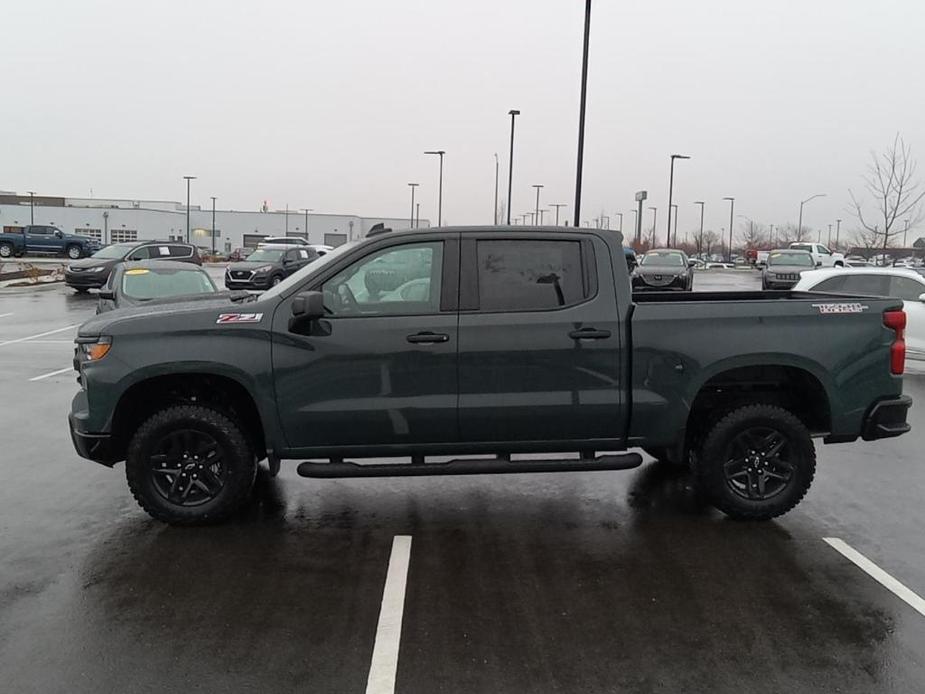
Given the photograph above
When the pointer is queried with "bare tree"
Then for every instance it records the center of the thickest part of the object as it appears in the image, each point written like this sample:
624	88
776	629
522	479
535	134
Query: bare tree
753	234
895	191
710	239
867	240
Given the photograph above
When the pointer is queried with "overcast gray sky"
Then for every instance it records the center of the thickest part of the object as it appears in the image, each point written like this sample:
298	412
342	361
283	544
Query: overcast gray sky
330	104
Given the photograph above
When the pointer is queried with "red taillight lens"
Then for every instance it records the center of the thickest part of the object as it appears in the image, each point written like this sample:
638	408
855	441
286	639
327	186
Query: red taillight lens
896	321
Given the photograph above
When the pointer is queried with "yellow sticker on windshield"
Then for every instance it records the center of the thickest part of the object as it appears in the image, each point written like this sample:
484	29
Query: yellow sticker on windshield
137	271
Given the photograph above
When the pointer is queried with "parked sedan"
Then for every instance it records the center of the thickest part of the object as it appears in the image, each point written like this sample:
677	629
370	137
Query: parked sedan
94	272
907	285
268	266
149	282
664	270
784	268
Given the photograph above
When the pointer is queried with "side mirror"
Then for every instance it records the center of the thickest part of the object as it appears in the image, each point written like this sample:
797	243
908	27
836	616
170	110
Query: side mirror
287	261
818	263
107	295
922	298
691	263
59	235
308	305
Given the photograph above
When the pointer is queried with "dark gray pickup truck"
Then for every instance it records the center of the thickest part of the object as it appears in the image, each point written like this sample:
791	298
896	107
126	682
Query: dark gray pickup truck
490	342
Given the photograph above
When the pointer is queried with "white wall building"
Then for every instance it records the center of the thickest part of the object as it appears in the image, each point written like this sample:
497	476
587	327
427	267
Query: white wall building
113	221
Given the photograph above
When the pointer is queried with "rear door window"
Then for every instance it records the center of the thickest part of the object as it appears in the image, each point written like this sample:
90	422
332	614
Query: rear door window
530	275
833	284
905	288
871	285
179	251
142	253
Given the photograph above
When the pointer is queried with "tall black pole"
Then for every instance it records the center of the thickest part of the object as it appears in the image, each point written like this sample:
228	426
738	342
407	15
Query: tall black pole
581	113
417	216
670	189
837	231
510	165
495	216
31	207
675	207
213	225
536	217
439	152
188	179
700	244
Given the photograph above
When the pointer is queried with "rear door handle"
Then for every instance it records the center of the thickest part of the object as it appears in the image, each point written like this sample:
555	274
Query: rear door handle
427	338
589	334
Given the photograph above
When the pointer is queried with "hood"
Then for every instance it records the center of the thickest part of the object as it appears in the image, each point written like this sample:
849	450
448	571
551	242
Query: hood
788	268
660	270
238	295
186	308
250	264
84	263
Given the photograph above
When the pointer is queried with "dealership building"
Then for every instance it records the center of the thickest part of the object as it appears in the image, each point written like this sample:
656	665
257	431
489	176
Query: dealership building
115	221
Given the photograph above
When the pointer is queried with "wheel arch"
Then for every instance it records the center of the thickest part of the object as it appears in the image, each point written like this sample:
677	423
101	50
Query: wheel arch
220	391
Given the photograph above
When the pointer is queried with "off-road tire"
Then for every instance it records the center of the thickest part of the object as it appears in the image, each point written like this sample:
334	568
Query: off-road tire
709	463
240	464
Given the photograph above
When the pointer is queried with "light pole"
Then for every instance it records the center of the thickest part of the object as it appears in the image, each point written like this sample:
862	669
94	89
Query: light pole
700	242
605	224
417	216
557	205
188	179
538	188
496	190
440	153
306	210
771	235
837	232
213	225
510	164
412	186
732	205
542	212
31	207
635	225
581	112
675	208
830	235
654	218
670	192
803	202
286	233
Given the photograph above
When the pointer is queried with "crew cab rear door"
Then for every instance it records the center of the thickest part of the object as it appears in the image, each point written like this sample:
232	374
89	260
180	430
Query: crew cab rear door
539	338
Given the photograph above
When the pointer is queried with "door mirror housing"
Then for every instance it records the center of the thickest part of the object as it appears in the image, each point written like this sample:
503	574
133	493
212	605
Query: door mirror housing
922	298
58	234
107	295
308	305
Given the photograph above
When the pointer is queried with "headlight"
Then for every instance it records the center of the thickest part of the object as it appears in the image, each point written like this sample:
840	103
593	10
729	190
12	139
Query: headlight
265	268
95	349
98	268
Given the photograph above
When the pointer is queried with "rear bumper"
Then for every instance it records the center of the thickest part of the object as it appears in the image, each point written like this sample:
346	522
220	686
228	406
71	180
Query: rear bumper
887	418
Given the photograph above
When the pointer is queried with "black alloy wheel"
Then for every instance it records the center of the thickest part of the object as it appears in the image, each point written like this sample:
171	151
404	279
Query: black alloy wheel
758	463
187	467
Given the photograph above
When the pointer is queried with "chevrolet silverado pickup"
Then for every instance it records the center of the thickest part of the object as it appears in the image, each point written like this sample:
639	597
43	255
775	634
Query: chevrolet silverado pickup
37	238
484	344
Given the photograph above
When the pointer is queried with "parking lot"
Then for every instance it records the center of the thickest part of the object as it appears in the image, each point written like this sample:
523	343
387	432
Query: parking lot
575	582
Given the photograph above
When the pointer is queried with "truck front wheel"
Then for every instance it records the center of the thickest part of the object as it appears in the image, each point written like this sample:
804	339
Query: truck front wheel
74	252
756	463
189	465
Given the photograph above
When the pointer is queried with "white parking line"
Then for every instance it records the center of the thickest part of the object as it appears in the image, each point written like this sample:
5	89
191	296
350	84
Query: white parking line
384	663
32	337
4	315
878	574
53	373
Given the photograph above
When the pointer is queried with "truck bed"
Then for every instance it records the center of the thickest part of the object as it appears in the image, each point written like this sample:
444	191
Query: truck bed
653	297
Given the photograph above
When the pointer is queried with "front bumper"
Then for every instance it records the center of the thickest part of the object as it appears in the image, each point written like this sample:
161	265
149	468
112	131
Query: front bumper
260	282
887	418
95	447
679	284
85	280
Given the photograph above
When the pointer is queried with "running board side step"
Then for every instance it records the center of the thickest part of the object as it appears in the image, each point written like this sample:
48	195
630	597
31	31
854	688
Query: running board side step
623	461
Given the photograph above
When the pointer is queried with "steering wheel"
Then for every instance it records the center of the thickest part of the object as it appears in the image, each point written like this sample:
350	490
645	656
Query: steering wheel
346	298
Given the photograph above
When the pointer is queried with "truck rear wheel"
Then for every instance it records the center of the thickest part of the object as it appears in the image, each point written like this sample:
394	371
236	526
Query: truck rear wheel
189	465
6	250
756	463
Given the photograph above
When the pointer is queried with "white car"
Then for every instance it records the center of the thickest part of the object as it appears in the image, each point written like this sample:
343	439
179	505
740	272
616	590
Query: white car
822	256
907	285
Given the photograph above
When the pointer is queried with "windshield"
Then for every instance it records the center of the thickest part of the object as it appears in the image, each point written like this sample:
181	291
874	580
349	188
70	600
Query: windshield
798	259
664	259
270	255
311	268
158	283
117	250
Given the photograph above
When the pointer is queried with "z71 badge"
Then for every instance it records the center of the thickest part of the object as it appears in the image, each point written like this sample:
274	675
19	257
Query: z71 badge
841	308
239	318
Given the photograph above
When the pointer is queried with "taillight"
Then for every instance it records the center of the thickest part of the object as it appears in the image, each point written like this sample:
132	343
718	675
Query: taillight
896	321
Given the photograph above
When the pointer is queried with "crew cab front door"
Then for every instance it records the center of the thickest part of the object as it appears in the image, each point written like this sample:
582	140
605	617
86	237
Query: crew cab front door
380	369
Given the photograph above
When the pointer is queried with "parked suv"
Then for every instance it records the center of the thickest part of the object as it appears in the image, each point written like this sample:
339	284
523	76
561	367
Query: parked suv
268	266
93	272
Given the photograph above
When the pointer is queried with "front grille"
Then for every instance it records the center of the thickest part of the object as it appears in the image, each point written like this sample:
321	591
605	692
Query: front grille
240	274
789	276
658	280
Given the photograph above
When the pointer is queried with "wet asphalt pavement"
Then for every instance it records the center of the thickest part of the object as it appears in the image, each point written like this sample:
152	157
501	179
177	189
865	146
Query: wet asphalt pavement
574	582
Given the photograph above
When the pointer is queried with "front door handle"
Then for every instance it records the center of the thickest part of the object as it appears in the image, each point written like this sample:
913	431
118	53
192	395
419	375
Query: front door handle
426	338
589	334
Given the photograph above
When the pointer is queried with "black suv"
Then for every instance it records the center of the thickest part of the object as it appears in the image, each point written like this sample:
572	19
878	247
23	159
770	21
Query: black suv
268	266
93	272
